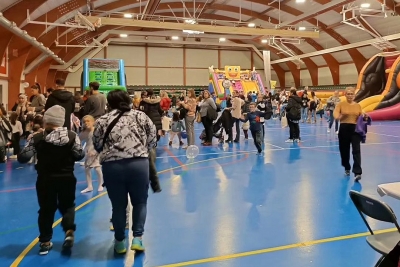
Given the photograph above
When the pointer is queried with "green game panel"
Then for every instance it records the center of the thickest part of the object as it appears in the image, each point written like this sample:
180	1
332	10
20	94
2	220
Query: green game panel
105	78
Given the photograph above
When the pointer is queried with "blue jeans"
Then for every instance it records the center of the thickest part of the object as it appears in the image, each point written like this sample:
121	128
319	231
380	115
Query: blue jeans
123	177
257	137
331	120
304	113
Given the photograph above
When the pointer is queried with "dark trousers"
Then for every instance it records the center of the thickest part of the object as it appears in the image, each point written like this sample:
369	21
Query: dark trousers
237	125
348	137
53	193
123	177
208	127
294	130
15	139
331	120
257	137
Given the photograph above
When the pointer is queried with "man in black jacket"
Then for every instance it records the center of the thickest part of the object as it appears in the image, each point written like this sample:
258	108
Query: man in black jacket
63	98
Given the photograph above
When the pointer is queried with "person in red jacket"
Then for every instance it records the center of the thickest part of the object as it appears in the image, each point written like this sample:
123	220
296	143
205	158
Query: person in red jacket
165	103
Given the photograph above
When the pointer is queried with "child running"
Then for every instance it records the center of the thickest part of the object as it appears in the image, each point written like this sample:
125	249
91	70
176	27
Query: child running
255	125
92	157
57	150
176	129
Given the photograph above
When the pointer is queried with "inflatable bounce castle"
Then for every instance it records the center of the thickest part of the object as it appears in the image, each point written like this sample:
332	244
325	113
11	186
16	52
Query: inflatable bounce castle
378	87
232	78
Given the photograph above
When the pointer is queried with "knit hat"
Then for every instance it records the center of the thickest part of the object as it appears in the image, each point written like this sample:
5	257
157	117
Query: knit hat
55	116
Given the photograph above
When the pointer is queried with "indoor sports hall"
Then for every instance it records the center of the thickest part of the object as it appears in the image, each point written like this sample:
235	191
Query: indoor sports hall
232	204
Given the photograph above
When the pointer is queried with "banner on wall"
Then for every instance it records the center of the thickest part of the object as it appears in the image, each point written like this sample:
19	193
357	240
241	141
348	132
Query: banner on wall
3	66
273	84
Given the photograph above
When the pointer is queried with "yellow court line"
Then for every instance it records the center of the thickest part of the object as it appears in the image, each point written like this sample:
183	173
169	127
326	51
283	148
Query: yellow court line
280	248
21	256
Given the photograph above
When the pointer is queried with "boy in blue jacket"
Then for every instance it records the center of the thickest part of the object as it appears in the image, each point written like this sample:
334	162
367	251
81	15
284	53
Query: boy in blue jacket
57	149
255	125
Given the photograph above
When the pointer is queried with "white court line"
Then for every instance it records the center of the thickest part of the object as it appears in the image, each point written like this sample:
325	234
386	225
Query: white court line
384	134
241	152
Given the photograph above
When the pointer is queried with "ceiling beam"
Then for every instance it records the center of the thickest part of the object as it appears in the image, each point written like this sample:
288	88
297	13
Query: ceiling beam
203	28
340	48
324	9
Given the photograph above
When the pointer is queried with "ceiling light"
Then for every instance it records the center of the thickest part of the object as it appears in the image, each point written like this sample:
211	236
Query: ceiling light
365	5
128	16
264	41
190	21
222	39
300	1
192	32
123	35
251	25
302	28
175	38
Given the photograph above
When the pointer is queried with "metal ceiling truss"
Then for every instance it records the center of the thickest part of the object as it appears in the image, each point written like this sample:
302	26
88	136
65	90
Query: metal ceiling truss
354	16
94	44
280	45
80	22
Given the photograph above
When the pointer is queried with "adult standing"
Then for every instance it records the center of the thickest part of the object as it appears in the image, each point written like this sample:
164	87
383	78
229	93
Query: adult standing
208	112
237	104
38	100
348	112
293	114
63	98
331	104
190	107
95	105
123	137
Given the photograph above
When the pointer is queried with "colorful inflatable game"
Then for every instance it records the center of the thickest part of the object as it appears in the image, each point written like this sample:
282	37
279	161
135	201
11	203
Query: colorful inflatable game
109	73
378	87
232	78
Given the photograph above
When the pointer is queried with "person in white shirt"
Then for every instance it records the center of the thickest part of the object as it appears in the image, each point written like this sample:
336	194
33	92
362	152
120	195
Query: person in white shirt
17	132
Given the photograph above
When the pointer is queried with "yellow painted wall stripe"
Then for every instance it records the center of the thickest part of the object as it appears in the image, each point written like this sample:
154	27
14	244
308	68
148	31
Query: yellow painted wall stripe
269	250
21	256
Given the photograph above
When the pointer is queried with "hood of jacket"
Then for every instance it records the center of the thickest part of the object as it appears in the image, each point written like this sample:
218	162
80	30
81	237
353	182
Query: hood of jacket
296	98
152	100
58	136
62	95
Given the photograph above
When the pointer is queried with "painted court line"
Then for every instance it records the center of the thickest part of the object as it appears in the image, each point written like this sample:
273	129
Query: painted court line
274	249
25	252
385	134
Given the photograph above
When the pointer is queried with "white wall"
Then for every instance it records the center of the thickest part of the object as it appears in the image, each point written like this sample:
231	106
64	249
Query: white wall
4	99
324	76
348	74
173	66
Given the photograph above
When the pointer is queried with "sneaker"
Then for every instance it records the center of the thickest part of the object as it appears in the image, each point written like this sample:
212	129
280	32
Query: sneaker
289	141
13	157
357	177
119	247
337	132
69	240
137	244
44	249
329	130
296	140
347	172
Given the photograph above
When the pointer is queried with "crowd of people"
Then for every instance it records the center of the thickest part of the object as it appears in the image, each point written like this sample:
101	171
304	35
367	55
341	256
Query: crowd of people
121	136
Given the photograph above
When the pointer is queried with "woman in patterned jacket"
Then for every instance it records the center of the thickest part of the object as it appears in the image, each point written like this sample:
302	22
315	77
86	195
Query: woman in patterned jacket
123	138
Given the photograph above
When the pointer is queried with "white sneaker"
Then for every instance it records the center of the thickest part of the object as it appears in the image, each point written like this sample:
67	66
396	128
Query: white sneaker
289	141
337	132
329	130
13	157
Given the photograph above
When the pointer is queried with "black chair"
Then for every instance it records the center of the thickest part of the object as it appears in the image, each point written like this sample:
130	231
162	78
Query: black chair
382	243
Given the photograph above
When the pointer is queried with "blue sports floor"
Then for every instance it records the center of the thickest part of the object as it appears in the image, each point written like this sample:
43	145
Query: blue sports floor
226	208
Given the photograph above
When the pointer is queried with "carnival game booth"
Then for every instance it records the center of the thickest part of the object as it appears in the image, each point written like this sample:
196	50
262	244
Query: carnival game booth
109	73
